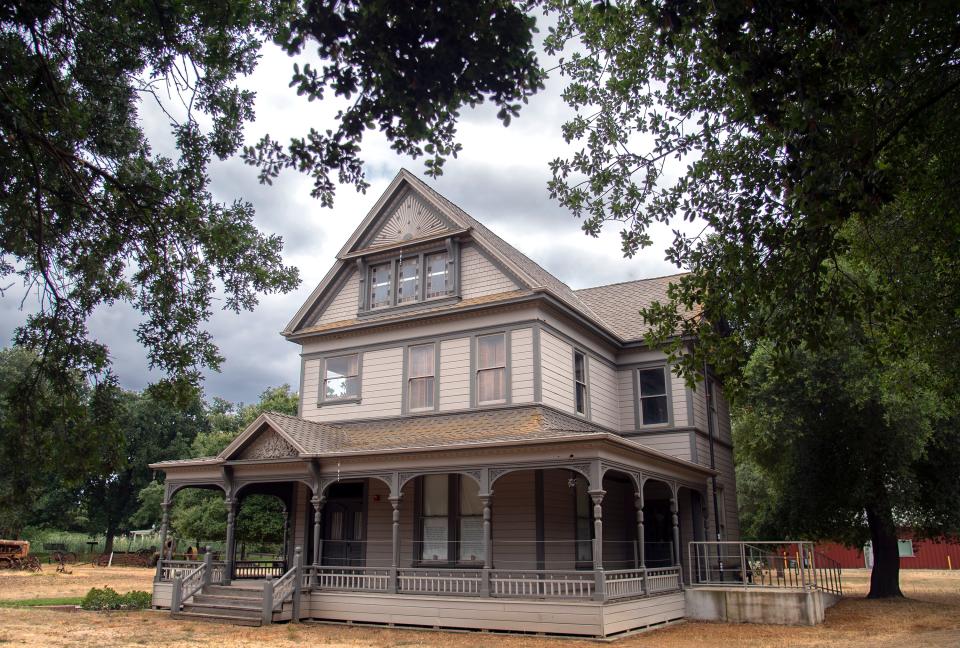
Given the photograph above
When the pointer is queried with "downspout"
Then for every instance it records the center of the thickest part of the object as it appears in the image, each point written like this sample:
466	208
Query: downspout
713	462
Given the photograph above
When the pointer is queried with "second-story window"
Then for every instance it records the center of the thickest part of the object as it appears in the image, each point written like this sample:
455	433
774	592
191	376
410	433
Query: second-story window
420	381
381	280
491	368
580	381
341	377
438	275
652	385
408	280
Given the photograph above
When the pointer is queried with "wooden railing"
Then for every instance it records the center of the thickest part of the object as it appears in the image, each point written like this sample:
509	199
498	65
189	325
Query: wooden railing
286	588
663	579
439	581
186	586
259	568
623	583
169	569
350	579
542	584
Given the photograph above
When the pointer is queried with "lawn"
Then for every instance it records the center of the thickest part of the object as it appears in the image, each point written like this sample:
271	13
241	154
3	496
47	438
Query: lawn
930	616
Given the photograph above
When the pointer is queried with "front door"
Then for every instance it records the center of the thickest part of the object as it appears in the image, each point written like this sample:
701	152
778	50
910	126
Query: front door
344	525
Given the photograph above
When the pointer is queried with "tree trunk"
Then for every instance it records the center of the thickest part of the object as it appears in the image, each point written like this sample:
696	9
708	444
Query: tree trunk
885	576
108	542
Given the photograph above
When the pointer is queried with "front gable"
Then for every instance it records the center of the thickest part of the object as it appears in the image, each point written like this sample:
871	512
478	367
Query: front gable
408	220
262	439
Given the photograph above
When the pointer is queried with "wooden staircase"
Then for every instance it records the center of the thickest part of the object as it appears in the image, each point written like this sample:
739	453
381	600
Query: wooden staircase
238	604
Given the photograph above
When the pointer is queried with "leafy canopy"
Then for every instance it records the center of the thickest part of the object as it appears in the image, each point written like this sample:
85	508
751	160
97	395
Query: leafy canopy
794	132
91	215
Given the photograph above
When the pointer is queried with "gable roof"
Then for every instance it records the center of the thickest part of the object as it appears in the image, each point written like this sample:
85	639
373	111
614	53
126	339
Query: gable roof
611	308
619	304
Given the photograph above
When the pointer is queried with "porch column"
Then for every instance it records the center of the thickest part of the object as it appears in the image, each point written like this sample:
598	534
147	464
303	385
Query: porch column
674	510
395	547
638	503
164	524
486	500
286	533
600	583
318	502
231	504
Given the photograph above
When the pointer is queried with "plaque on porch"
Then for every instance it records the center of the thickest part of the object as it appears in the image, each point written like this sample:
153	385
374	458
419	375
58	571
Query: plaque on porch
268	445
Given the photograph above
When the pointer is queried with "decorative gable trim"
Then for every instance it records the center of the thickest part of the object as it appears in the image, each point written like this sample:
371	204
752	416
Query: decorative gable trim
412	219
263	437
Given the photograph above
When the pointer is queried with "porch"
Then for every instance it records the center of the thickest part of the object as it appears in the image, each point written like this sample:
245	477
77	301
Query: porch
577	534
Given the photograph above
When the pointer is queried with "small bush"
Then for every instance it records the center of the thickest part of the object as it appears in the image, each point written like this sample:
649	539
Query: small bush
108	599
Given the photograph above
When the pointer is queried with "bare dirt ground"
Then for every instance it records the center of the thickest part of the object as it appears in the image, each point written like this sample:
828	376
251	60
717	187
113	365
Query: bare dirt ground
929	616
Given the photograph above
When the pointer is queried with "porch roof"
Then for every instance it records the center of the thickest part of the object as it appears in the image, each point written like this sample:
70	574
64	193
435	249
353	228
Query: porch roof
523	425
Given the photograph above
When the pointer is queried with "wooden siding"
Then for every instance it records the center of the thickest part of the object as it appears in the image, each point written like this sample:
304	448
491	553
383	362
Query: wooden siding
455	374
379	531
380	390
676	444
556	372
345	304
583	618
479	277
678	390
626	398
298	522
604	394
521	365
514	521
162	593
559	520
727	479
619	524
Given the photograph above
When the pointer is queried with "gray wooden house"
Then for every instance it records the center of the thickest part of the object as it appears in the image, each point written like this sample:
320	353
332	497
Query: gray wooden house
478	446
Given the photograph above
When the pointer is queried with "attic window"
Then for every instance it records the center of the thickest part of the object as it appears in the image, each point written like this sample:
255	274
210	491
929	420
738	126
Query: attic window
410	278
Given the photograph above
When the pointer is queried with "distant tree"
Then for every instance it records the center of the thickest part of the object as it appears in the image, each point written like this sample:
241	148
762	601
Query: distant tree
151	430
91	215
51	436
835	446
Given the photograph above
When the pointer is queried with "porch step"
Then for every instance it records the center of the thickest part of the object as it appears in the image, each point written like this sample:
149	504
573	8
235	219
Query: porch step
218	618
228	601
234	591
223	610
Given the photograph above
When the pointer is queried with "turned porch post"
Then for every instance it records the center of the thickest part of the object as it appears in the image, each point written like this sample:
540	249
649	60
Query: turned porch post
675	518
395	546
231	504
638	503
486	500
600	584
164	524
318	502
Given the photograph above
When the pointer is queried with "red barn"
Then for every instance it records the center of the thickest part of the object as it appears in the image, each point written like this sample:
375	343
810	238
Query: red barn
914	554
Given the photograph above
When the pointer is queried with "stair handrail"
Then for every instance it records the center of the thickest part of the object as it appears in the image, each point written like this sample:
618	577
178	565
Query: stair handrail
186	586
285	588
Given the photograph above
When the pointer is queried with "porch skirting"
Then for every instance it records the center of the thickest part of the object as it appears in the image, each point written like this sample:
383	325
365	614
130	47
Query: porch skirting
581	618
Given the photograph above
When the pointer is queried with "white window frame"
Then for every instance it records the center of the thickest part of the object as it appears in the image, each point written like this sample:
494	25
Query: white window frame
323	399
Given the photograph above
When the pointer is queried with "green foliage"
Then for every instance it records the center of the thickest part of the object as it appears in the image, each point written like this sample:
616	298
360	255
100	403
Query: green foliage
91	215
801	133
108	599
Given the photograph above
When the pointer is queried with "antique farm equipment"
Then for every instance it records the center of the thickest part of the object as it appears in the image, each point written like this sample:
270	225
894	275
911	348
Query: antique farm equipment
139	558
15	554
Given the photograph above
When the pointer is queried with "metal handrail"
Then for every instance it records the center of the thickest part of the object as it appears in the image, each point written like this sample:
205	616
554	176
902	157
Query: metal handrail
776	564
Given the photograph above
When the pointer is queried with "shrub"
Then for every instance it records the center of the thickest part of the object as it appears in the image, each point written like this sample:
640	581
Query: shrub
108	599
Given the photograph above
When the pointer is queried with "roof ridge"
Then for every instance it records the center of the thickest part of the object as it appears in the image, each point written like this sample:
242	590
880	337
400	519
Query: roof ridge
629	281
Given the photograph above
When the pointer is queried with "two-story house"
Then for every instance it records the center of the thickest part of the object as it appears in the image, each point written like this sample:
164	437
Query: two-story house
478	446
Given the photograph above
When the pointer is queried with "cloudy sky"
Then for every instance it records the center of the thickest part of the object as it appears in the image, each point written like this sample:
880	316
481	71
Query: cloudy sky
500	178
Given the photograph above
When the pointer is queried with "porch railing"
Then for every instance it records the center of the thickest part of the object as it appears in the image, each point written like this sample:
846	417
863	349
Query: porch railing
439	581
259	568
286	588
663	579
350	579
170	569
763	564
542	584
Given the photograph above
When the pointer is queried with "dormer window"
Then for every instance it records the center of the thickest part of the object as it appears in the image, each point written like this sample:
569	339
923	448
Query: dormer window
409	278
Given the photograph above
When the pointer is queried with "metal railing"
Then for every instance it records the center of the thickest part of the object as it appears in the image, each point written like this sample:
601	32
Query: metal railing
763	564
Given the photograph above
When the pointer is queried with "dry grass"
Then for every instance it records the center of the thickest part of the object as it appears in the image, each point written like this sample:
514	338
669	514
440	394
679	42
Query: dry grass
930	616
19	585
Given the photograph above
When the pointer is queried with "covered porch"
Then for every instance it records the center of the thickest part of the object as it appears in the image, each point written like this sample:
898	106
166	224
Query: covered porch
554	534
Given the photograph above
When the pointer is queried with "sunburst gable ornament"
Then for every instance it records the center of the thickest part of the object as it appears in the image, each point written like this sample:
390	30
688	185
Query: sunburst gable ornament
412	219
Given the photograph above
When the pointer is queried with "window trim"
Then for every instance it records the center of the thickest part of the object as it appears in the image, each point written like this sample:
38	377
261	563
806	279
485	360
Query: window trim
586	413
637	401
405	388
322	400
453	560
475	370
449	247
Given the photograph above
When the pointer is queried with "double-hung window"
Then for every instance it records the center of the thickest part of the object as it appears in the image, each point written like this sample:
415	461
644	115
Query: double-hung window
381	285
421	380
438	275
435	520
451	528
580	381
492	368
408	280
652	386
341	377
584	528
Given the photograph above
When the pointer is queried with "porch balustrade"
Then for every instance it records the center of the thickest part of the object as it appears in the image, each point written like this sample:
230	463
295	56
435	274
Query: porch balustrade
350	579
170	569
259	568
542	584
439	581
